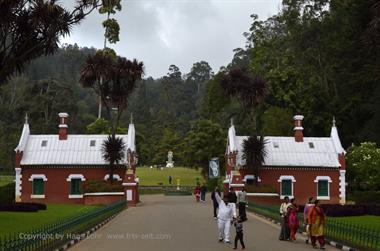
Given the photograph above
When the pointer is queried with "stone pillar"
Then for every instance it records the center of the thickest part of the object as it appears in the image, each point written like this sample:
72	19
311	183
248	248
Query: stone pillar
342	187
18	182
130	188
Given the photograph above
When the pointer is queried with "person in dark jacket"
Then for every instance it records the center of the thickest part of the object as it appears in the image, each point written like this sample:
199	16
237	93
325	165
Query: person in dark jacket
214	201
232	198
203	192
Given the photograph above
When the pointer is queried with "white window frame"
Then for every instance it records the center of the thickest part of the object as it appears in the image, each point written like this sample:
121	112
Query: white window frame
115	177
323	178
286	177
75	176
37	176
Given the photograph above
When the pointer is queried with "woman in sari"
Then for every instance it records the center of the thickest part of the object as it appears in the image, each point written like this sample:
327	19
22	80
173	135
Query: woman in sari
293	219
317	221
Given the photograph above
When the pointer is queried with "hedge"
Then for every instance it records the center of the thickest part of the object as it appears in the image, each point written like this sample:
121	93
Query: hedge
351	210
22	207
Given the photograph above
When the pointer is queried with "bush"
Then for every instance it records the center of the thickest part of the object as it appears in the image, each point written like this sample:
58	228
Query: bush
7	193
22	207
260	189
98	186
351	210
367	197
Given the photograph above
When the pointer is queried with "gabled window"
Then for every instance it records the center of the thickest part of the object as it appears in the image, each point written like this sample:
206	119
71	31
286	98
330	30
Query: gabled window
92	143
323	187
44	143
38	186
76	186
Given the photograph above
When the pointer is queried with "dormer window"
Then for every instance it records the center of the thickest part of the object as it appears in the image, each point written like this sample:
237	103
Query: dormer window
276	145
92	143
311	145
44	143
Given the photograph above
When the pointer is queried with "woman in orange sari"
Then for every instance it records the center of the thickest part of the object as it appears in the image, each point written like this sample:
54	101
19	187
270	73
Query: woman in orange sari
317	221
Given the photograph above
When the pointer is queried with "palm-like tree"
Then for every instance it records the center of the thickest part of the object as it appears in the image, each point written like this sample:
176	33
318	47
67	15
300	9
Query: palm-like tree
249	90
254	153
113	149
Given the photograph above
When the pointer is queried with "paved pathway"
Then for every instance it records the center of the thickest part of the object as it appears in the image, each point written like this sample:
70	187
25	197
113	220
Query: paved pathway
164	223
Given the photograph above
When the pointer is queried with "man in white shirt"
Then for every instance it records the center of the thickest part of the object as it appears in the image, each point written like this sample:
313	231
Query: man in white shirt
285	232
242	203
226	213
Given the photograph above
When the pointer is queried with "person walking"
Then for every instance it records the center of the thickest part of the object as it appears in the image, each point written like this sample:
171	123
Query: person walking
317	221
214	202
170	179
309	204
293	221
239	233
242	203
232	198
203	192
284	234
226	214
197	191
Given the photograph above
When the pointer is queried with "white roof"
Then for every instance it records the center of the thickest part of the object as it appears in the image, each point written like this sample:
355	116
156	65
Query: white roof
285	151
76	150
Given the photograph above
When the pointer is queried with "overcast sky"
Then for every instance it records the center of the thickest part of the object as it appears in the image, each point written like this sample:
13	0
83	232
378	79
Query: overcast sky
180	32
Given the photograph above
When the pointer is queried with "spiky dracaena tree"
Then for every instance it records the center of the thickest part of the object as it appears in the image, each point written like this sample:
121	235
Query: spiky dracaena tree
254	153
114	78
113	149
248	89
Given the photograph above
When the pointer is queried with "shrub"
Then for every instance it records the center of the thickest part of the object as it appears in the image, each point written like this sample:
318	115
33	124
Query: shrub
351	210
260	189
22	207
7	193
98	186
366	197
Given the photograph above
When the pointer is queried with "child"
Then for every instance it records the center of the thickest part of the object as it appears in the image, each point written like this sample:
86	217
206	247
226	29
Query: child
239	232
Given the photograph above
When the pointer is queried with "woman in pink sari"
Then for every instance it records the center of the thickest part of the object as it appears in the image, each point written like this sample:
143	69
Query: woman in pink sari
293	221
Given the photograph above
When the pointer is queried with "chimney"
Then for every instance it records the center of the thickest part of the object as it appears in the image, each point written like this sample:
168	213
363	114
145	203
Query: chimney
63	127
298	134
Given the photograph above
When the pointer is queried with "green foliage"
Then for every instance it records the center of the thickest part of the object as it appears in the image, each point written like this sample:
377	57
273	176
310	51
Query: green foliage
98	186
204	141
364	197
254	153
99	126
277	121
363	167
112	30
7	193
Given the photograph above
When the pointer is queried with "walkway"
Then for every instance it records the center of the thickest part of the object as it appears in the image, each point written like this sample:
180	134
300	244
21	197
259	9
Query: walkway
163	223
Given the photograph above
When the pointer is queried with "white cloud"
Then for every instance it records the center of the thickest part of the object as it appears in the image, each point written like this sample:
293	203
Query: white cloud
180	32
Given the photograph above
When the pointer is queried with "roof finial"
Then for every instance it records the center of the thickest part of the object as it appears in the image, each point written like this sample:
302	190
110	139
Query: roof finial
334	121
26	118
131	122
232	121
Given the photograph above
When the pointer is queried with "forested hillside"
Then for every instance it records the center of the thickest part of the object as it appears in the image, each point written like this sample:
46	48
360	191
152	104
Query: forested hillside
319	60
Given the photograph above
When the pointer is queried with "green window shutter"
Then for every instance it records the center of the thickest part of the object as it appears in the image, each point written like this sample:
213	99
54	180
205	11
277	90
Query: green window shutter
323	189
75	186
38	186
286	187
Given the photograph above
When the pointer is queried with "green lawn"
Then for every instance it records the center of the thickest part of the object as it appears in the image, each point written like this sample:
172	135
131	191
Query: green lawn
16	222
6	179
151	177
368	221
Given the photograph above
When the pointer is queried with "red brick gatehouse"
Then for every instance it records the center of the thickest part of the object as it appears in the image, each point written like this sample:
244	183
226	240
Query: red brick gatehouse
54	168
296	166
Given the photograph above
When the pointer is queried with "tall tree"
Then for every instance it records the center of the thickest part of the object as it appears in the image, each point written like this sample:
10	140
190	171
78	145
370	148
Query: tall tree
32	28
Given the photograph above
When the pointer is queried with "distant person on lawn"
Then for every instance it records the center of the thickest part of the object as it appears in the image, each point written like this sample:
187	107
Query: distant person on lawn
197	191
226	214
214	202
309	204
317	221
203	192
170	179
242	203
284	234
293	221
